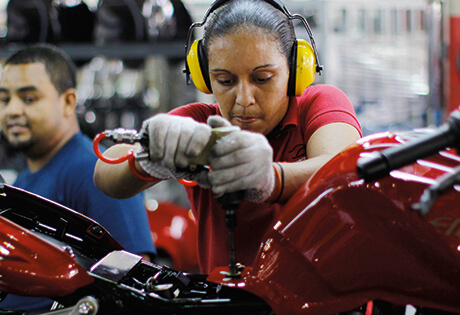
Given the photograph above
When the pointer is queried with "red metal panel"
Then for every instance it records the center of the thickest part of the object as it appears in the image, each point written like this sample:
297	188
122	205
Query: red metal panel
31	266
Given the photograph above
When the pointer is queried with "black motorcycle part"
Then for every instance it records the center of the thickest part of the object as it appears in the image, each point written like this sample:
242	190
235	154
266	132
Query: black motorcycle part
60	223
383	162
124	283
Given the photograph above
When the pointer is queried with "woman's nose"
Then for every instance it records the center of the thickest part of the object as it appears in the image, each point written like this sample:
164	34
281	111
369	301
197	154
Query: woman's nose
245	94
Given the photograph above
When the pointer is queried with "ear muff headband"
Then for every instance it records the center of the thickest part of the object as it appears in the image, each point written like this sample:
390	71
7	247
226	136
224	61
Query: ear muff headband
304	55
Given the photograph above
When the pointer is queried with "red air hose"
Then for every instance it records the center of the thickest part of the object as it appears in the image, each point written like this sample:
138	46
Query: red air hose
130	158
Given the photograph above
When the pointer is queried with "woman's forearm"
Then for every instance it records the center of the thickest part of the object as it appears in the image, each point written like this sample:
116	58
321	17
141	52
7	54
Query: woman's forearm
117	180
323	145
298	173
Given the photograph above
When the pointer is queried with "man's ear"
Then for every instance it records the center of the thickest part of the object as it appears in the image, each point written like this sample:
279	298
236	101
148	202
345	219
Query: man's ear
70	102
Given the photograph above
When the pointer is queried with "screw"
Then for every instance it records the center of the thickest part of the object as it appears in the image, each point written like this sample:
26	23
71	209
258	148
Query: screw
85	308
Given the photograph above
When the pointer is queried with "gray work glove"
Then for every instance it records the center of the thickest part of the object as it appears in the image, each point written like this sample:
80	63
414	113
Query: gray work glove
172	141
241	160
218	121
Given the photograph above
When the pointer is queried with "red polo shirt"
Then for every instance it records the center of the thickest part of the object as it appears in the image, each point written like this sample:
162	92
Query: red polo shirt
319	105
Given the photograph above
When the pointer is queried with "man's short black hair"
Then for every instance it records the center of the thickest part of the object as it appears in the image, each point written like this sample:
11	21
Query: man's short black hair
60	68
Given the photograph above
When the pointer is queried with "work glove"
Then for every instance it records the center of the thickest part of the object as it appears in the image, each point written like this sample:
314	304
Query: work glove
173	140
241	160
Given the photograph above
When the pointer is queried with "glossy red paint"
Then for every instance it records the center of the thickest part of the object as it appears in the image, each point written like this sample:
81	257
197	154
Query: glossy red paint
174	231
341	242
32	266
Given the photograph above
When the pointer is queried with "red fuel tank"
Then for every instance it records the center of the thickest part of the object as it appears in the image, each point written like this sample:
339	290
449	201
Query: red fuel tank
341	242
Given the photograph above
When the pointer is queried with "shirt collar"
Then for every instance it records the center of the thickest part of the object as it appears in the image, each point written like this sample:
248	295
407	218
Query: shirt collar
291	115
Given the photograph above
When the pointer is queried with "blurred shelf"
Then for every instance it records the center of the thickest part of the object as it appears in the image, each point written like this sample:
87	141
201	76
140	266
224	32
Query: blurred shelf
122	51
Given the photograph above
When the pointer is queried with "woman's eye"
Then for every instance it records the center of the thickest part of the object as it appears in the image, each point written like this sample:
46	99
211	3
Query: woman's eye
262	79
225	82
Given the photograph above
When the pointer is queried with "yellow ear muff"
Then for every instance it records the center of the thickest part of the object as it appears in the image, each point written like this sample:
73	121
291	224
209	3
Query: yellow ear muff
195	68
305	66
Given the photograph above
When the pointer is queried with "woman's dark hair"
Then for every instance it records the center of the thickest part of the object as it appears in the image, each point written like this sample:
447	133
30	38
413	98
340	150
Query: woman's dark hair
250	13
58	65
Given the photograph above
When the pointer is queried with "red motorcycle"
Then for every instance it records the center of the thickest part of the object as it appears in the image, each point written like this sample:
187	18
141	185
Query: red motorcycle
376	229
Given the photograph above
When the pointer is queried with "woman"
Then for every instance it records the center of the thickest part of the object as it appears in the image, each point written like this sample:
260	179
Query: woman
247	48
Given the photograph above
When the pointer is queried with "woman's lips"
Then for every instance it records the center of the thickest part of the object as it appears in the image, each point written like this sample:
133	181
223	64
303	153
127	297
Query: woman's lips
245	120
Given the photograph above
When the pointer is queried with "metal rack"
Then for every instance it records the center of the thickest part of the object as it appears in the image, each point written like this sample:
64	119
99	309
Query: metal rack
378	53
82	51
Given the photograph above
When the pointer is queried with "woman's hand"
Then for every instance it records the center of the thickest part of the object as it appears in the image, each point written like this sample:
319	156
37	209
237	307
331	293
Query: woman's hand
173	140
242	160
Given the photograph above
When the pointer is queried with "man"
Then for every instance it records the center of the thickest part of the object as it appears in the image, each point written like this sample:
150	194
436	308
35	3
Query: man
37	115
